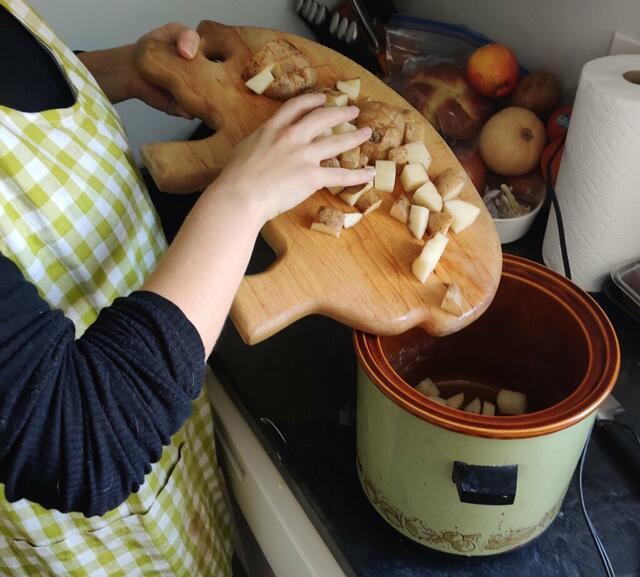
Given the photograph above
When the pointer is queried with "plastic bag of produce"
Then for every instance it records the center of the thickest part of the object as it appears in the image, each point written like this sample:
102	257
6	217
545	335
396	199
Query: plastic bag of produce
426	63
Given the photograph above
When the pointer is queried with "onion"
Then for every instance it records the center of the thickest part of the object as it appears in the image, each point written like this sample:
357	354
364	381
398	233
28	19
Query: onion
512	141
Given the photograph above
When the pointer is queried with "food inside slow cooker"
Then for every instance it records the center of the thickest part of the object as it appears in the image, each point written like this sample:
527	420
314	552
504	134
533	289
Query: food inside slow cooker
511	402
507	402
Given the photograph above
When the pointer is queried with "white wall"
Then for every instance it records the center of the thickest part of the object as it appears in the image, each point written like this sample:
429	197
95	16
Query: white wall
93	24
557	35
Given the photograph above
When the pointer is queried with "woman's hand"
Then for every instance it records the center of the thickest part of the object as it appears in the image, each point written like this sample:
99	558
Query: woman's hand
187	42
278	166
274	169
116	72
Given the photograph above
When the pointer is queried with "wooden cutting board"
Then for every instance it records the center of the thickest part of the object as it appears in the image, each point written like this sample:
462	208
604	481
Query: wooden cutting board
363	279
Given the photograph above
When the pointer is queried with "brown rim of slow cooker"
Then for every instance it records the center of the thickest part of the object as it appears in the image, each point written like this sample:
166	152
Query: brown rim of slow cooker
600	375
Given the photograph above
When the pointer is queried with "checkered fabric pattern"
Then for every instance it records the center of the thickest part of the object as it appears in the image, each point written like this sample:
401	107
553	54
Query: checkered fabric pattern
73	211
76	219
177	525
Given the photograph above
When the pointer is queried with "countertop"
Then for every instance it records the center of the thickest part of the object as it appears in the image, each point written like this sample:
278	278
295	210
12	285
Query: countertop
302	380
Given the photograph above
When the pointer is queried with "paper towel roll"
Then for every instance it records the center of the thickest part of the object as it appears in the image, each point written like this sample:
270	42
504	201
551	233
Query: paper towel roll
598	187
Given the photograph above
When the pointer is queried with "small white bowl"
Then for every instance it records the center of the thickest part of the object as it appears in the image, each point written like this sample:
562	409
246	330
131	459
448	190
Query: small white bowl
512	229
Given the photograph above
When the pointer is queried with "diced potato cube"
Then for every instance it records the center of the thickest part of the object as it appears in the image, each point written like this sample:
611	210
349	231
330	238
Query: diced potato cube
413	176
488	409
350	158
474	406
350	87
369	201
456	401
438	222
418	219
414	132
344	128
398	155
428	387
417	153
329	221
330	163
352	218
412	153
423	266
355	82
454	302
400	209
463	214
385	179
261	81
511	402
427	195
364	159
351	194
336	98
450	183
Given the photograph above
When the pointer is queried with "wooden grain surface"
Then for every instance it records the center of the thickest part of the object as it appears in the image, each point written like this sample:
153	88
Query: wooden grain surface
362	279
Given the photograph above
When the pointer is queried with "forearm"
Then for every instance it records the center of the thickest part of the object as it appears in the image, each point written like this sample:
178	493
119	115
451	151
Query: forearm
81	421
203	267
111	69
272	170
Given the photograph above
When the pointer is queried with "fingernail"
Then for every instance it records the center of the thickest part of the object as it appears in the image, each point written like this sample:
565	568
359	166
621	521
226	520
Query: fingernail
371	170
191	48
367	131
354	109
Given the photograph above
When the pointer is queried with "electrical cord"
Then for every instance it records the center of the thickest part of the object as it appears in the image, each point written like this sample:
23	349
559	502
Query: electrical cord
604	557
631	430
551	191
628	428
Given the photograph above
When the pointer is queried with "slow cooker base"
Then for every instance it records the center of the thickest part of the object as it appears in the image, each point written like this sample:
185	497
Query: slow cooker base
453	541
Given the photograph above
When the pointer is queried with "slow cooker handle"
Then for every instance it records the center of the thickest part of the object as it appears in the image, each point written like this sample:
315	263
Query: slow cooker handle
485	484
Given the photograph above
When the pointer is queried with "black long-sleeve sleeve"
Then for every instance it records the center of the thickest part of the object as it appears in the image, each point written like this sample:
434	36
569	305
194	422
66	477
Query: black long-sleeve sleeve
82	420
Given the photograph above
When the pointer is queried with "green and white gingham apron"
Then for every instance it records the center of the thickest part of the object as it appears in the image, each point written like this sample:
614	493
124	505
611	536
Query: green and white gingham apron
74	216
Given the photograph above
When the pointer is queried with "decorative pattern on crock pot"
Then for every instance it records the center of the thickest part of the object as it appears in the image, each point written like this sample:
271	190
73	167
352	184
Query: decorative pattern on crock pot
414	526
517	536
510	539
456	540
452	538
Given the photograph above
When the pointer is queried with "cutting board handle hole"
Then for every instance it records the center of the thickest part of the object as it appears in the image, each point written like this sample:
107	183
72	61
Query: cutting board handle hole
262	258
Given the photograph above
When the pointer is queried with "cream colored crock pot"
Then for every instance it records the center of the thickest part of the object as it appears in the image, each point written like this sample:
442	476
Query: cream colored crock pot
471	484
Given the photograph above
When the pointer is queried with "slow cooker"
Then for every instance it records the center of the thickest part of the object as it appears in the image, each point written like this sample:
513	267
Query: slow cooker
472	484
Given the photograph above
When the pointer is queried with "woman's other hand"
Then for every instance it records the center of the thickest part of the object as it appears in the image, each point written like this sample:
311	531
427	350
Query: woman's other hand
117	74
187	42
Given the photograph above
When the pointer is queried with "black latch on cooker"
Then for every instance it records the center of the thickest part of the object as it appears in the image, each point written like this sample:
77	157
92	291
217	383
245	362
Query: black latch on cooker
485	484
